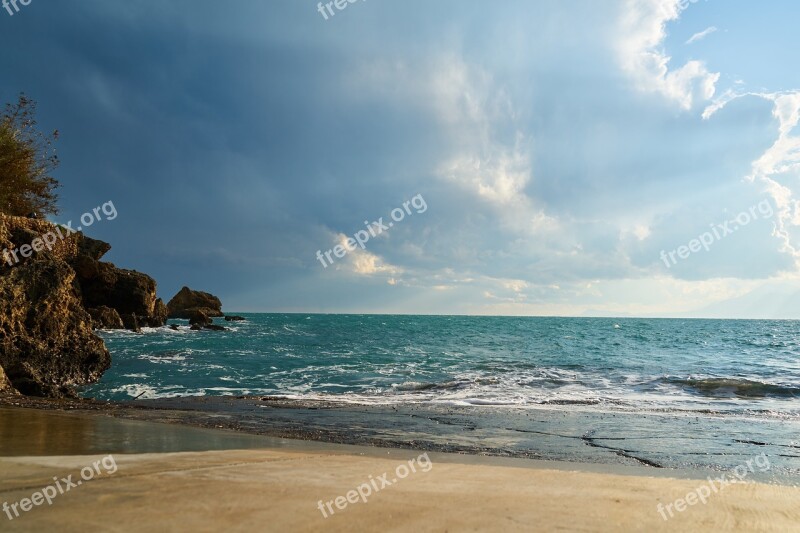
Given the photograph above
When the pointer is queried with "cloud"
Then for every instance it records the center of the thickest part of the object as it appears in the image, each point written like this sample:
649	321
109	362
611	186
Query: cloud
362	262
778	168
701	35
643	29
548	139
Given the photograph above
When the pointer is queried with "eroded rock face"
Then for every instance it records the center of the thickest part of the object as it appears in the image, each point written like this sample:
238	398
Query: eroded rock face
187	303
106	318
47	345
130	294
5	385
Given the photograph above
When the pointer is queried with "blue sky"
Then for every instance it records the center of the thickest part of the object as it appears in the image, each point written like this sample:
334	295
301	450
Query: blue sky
560	147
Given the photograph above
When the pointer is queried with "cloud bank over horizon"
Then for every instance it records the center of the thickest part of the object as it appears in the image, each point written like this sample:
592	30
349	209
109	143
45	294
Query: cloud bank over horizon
560	147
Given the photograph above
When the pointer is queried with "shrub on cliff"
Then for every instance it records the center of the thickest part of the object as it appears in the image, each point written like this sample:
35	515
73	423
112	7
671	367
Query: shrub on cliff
27	158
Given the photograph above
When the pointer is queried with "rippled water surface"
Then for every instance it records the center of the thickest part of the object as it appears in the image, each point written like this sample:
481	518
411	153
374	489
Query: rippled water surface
748	367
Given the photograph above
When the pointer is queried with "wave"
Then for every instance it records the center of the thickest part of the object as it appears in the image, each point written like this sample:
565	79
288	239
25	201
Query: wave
413	386
743	388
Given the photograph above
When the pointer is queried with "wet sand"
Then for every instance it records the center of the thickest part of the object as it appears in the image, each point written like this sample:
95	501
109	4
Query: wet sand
607	442
30	432
280	487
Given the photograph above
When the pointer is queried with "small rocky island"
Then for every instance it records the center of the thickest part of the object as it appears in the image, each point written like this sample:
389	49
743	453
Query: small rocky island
52	301
198	307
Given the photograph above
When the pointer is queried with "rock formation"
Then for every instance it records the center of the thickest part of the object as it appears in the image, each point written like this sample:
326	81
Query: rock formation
53	299
187	303
106	288
199	318
5	385
106	318
47	343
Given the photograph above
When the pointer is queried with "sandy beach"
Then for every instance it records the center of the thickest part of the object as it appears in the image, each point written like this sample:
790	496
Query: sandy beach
287	485
268	490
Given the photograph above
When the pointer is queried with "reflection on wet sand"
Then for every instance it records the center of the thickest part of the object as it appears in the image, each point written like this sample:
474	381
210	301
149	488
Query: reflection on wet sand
29	432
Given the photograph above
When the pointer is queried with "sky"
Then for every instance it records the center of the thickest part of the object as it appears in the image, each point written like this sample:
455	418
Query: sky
556	152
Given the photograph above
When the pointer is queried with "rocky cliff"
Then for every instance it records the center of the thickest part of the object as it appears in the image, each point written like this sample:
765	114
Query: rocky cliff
51	301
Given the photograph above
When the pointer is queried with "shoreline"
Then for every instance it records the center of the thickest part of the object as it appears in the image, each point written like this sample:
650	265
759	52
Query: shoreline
172	473
182	434
292	485
196	414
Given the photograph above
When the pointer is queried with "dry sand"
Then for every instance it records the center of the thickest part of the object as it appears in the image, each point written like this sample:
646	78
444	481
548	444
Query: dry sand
279	490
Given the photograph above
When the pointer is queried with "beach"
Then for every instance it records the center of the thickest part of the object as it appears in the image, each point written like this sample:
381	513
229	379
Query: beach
279	484
279	490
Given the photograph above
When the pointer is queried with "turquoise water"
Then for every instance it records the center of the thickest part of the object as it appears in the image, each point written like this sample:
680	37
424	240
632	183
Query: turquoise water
682	394
744	368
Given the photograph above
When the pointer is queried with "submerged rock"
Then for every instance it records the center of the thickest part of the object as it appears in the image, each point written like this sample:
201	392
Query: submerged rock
235	318
187	302
200	320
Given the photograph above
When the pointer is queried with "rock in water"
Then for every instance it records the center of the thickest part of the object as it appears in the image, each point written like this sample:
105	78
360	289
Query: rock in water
187	302
199	318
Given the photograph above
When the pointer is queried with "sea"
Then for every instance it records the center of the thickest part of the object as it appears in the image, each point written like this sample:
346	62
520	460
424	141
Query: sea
662	393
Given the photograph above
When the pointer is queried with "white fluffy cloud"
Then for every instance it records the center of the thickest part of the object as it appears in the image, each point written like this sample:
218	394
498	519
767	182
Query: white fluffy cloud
643	30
